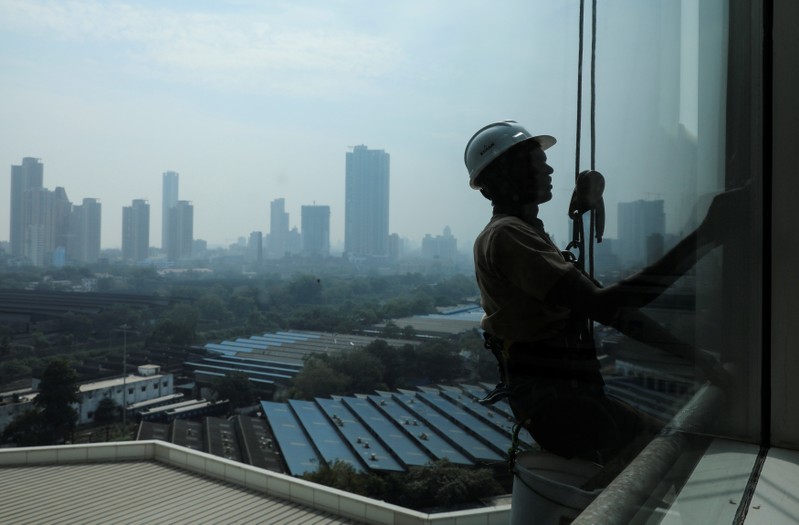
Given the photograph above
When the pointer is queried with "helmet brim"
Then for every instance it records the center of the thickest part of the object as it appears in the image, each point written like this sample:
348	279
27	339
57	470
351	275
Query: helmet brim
545	141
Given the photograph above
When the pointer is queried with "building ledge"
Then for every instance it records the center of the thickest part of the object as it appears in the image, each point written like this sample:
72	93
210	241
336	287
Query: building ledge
269	484
686	477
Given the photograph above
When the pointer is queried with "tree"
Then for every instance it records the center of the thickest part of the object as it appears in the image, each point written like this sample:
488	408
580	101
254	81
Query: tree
318	379
305	289
439	360
58	391
235	387
5	345
391	330
78	325
39	341
179	327
106	411
365	372
212	308
442	485
27	430
343	476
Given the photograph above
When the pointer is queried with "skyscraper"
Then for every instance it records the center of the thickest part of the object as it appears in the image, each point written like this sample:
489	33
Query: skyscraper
255	247
315	223
443	247
181	233
61	215
169	198
639	221
85	230
366	202
26	176
277	244
40	225
136	230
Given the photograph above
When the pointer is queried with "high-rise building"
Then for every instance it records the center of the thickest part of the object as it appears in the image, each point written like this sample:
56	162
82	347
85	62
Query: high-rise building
366	202
181	233
277	244
28	175
61	215
396	246
136	230
315	230
444	247
169	199
40	226
85	230
638	222
255	247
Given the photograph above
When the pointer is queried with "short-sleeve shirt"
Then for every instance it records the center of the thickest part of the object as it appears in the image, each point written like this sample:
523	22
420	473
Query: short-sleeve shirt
516	265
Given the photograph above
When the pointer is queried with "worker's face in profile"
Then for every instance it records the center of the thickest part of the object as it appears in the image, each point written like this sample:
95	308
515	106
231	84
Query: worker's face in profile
532	175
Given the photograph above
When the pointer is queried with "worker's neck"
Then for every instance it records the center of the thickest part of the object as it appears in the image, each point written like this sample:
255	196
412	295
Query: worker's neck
527	212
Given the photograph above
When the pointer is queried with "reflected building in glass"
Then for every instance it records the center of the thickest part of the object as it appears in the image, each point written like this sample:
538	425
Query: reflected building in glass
642	229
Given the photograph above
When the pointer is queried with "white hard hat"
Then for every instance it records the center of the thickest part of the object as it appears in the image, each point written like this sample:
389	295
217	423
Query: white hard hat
492	141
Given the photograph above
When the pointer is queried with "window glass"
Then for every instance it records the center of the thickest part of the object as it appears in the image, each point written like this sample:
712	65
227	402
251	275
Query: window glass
258	106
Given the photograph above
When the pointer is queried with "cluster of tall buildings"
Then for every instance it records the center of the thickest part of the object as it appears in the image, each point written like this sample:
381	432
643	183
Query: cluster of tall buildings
47	229
366	232
177	221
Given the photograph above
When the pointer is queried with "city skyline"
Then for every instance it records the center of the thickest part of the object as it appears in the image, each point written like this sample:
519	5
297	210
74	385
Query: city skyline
253	101
60	232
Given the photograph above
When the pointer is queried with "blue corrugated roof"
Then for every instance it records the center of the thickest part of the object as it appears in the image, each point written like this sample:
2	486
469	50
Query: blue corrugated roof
297	450
470	445
323	433
389	432
424	436
485	433
361	439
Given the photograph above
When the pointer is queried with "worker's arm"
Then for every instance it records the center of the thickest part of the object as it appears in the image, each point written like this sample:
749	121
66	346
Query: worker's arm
576	292
722	219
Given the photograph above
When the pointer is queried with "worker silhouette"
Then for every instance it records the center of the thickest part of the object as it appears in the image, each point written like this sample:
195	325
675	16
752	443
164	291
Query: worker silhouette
537	303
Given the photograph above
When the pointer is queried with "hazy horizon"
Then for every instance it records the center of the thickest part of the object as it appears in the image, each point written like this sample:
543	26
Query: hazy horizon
251	101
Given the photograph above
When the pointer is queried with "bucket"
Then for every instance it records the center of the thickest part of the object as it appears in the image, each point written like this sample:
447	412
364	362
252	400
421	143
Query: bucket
546	489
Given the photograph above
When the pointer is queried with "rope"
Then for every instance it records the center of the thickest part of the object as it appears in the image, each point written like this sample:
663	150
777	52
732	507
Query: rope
578	227
592	216
579	95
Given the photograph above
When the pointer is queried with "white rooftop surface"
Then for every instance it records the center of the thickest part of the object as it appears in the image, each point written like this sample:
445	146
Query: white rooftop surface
776	499
117	381
716	488
158	482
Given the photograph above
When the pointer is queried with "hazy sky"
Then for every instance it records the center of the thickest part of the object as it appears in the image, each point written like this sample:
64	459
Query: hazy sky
255	100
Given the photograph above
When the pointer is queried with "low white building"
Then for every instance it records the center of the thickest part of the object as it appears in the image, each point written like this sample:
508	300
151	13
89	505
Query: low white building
148	384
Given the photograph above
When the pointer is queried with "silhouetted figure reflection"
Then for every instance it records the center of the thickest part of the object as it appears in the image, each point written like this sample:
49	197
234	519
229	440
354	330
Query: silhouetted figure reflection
537	302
